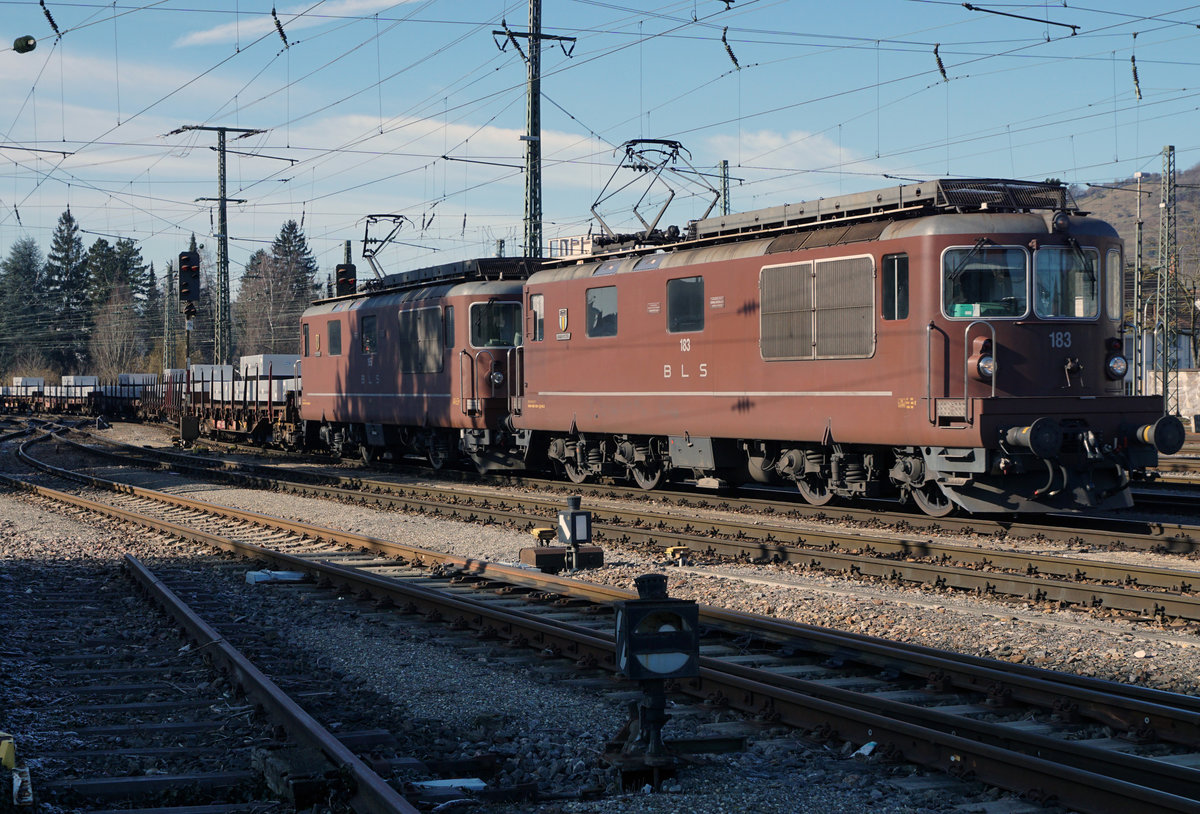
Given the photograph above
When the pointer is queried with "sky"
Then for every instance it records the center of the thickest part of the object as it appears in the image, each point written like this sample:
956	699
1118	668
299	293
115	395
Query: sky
414	109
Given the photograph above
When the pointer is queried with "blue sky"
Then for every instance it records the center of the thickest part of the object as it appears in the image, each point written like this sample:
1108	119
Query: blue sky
367	97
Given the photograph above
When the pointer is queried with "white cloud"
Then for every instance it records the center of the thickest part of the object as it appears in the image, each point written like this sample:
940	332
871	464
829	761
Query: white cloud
259	24
794	165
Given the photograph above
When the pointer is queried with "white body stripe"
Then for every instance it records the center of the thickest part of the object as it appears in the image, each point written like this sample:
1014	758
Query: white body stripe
718	393
381	395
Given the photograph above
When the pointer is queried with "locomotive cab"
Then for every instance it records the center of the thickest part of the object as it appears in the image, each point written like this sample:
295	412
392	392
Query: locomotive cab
489	381
1024	355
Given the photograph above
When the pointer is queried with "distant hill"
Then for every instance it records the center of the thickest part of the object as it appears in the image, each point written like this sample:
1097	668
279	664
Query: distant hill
1119	208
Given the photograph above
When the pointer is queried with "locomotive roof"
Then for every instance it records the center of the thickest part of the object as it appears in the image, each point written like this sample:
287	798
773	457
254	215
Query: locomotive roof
413	294
981	207
859	216
939	196
480	269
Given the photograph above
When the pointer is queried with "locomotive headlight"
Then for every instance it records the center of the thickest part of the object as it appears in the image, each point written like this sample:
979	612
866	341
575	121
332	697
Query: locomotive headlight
497	378
986	366
1116	366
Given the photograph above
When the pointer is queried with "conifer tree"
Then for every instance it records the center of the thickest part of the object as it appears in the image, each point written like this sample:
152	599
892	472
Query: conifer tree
65	310
20	293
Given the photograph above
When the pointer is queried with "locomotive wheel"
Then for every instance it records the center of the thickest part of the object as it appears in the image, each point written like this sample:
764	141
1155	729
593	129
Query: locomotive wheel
574	473
646	476
437	456
814	490
930	499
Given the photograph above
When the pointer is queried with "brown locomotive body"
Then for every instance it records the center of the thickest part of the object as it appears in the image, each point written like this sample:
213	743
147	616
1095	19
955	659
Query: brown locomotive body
421	366
956	341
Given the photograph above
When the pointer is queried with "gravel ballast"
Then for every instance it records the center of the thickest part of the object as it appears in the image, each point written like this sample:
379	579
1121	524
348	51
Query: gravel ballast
552	734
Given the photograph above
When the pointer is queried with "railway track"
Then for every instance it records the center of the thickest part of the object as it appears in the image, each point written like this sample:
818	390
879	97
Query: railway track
1149	594
1103	531
1090	745
113	712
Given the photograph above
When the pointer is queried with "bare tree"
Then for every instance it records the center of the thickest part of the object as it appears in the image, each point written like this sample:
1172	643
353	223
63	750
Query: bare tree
115	346
29	360
268	306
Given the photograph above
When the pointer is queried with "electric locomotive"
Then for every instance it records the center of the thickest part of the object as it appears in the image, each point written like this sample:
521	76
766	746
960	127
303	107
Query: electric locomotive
955	342
419	363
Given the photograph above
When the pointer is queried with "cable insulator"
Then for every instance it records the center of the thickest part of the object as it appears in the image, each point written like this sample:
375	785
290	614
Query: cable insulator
729	50
1137	86
50	19
941	67
279	28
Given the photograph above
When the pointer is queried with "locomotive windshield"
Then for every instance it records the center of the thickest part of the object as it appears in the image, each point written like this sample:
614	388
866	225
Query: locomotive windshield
1066	283
984	281
496	324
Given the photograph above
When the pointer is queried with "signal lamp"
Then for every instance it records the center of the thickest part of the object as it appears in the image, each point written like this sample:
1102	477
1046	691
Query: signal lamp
658	638
986	367
345	279
189	276
1116	366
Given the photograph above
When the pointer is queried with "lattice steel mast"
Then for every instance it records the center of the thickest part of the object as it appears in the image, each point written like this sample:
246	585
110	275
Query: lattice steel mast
222	323
1168	271
170	308
533	119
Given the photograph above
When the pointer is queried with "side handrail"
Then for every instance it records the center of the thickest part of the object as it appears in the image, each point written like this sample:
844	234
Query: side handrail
930	413
462	386
515	373
970	419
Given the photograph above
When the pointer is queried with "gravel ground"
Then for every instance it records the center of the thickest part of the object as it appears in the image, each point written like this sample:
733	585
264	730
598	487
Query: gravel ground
466	702
552	733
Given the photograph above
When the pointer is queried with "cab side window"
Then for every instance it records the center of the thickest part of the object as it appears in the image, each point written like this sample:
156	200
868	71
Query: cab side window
335	337
537	311
602	311
895	286
685	304
368	333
